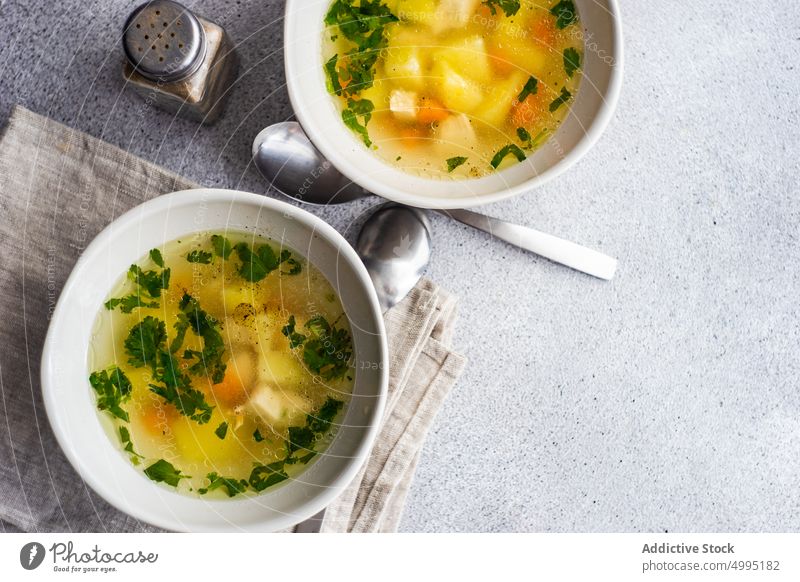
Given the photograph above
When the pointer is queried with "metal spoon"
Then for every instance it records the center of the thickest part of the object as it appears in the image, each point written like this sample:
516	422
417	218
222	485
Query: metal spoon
286	157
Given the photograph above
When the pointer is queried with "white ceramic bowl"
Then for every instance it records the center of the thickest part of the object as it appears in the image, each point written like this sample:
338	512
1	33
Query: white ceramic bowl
70	402
590	113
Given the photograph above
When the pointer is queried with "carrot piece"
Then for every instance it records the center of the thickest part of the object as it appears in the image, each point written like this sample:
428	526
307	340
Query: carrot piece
544	31
498	57
525	114
431	110
157	419
231	391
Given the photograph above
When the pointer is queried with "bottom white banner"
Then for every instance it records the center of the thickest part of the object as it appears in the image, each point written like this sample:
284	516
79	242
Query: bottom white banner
617	557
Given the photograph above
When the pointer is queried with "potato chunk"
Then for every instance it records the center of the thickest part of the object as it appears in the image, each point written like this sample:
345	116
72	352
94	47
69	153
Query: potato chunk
456	91
497	105
467	56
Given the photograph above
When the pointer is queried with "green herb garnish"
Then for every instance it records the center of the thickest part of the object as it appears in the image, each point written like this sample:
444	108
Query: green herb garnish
149	286
362	23
128	303
176	388
326	349
565	13
359	108
155	255
560	100
504	151
202	257
510	7
164	471
261	260
222	246
145	346
332	76
125	437
322	420
144	341
221	430
295	339
572	61
453	163
150	282
263	476
232	486
112	388
209	360
523	135
531	88
257	436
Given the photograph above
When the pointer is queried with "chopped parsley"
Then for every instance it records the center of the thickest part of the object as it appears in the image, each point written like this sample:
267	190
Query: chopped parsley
362	22
209	360
155	255
112	388
149	282
565	13
232	486
295	339
453	163
326	349
531	88
128	303
355	109
127	445
202	257
572	61
144	340
163	472
149	285
332	76
257	436
145	346
509	7
506	150
264	476
222	246
560	100
261	260
322	420
221	430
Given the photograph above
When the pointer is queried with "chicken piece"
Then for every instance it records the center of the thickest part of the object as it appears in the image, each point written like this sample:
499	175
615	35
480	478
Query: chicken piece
404	104
278	407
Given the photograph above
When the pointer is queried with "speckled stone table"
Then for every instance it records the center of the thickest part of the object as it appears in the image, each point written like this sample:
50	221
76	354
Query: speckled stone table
668	399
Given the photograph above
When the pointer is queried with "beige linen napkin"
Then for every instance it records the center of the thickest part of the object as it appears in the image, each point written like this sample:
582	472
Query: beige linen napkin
58	189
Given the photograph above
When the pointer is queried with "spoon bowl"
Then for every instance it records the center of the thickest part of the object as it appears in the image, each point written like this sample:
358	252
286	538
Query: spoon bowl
285	156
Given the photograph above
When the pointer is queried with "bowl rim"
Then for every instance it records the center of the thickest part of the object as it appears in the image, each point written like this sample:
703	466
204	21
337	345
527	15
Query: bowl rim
302	104
305	508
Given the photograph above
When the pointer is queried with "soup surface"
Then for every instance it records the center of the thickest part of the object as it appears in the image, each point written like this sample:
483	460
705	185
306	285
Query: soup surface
453	88
221	363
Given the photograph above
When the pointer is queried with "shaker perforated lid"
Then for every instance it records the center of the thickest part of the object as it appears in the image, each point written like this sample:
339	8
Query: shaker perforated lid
164	41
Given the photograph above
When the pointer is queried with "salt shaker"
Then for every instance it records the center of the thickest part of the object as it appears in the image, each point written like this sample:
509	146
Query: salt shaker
178	60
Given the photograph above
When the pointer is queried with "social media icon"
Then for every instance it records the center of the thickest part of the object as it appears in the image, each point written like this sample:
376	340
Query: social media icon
31	555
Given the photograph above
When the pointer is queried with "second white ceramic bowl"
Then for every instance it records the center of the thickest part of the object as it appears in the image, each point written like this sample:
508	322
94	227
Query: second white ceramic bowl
70	403
601	34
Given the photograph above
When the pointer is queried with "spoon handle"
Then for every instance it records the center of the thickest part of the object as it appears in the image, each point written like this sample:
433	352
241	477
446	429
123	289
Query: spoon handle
551	247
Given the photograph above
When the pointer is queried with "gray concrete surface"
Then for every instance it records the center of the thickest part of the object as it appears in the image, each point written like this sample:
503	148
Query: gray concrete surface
668	399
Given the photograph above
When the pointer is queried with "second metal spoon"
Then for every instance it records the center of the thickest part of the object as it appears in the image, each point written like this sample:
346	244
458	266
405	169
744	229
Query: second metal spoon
286	157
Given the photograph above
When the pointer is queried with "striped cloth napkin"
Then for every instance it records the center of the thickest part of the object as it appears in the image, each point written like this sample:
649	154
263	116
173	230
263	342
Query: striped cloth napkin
58	188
